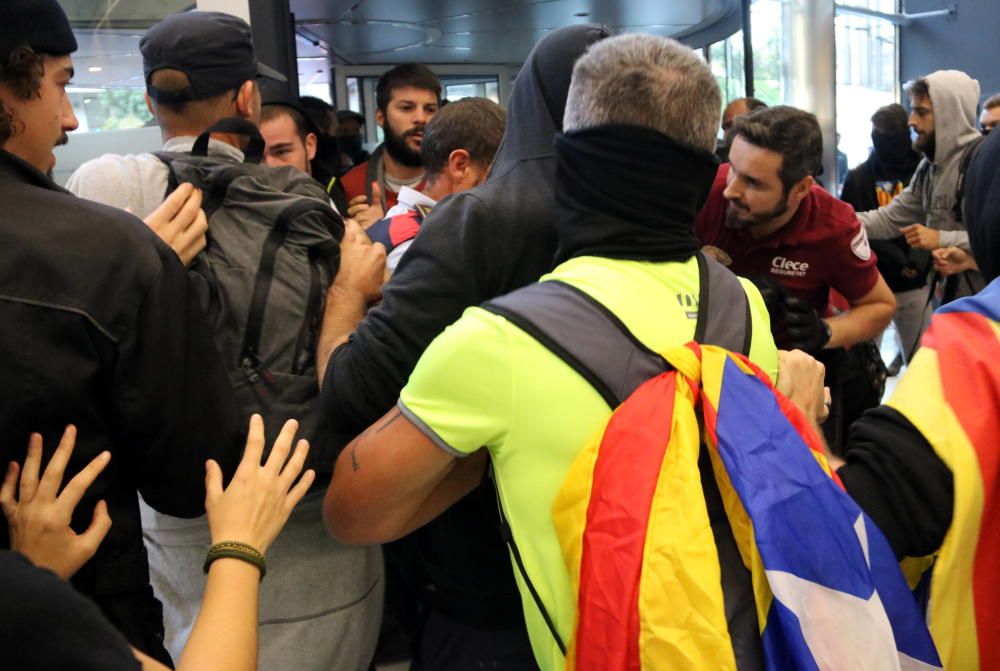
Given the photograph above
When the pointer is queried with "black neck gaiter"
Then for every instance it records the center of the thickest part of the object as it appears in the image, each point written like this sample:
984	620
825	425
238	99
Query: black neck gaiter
894	152
626	192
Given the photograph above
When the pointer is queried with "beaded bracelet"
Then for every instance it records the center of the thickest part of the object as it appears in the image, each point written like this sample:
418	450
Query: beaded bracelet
236	550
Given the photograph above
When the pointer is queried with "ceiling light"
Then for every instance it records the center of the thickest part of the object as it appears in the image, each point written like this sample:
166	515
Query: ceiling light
94	68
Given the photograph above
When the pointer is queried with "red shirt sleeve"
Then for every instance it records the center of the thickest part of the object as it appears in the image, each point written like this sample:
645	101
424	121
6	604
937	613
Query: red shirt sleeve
354	181
853	272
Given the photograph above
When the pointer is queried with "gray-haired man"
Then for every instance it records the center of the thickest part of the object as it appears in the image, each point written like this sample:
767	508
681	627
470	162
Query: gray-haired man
631	168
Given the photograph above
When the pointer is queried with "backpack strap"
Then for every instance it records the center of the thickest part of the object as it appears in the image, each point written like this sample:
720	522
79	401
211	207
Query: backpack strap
168	160
721	290
375	172
249	358
582	332
254	152
595	343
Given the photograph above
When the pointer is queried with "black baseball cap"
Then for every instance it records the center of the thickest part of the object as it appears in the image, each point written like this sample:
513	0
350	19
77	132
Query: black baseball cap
215	50
344	115
39	24
275	95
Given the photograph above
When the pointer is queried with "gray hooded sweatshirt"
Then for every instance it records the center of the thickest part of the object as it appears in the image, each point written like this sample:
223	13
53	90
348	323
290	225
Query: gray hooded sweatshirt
930	197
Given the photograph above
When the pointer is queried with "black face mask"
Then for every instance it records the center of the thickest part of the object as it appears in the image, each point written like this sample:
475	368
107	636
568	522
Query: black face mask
892	148
327	145
624	192
351	145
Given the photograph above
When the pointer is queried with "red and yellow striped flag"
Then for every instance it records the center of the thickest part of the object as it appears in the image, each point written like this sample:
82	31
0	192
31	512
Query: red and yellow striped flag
637	537
951	394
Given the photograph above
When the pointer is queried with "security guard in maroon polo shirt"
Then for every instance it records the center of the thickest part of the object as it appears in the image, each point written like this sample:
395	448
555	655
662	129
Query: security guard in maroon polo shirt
768	220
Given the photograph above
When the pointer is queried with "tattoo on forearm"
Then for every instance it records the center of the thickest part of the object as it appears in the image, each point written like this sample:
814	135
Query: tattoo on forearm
355	464
385	425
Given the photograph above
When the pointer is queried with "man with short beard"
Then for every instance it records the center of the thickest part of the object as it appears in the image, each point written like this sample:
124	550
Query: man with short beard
927	212
407	96
768	220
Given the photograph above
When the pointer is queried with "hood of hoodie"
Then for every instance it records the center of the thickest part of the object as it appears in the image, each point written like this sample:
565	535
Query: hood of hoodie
954	96
537	102
982	206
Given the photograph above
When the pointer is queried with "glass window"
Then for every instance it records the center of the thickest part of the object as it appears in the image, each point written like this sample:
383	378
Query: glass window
726	60
314	78
726	57
866	74
354	95
456	88
101	110
765	18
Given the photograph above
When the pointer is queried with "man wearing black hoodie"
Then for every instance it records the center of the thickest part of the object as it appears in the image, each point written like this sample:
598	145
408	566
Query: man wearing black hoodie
874	184
631	171
473	246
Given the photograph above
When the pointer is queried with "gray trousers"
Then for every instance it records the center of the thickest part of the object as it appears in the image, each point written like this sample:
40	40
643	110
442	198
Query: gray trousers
320	603
912	315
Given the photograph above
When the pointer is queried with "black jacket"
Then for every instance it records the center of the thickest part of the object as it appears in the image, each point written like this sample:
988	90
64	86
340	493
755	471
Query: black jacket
473	246
102	329
46	625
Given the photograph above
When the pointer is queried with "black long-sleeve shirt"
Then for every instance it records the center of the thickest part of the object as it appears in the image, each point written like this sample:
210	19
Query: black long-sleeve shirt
899	481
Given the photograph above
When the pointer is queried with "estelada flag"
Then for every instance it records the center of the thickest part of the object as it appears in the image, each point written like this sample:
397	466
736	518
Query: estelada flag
951	394
636	535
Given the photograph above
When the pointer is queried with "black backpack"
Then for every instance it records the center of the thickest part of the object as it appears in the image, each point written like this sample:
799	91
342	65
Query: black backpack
273	250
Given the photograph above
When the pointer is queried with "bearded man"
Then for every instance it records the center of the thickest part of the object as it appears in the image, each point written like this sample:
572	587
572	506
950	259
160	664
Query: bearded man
768	220
406	98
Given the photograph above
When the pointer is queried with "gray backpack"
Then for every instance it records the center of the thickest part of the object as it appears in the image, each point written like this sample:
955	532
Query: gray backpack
273	250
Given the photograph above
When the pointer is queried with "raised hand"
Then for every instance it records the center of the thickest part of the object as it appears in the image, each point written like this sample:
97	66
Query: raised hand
180	222
367	212
800	378
256	504
38	515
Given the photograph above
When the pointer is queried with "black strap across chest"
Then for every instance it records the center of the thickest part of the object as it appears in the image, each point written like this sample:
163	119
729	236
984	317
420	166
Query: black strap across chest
596	344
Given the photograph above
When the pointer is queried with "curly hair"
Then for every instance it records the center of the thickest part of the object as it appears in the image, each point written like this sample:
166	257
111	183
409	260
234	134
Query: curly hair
22	72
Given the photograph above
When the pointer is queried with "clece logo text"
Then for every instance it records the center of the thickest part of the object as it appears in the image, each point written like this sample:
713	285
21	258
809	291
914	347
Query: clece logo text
782	266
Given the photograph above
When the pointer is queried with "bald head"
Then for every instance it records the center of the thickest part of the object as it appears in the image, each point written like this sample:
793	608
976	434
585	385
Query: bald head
740	107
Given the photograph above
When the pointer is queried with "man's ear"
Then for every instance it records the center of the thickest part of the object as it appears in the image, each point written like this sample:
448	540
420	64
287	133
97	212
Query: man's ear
458	166
311	146
801	190
149	106
380	118
248	101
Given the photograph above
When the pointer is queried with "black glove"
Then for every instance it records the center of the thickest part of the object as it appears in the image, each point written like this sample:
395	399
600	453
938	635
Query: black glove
773	295
803	327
